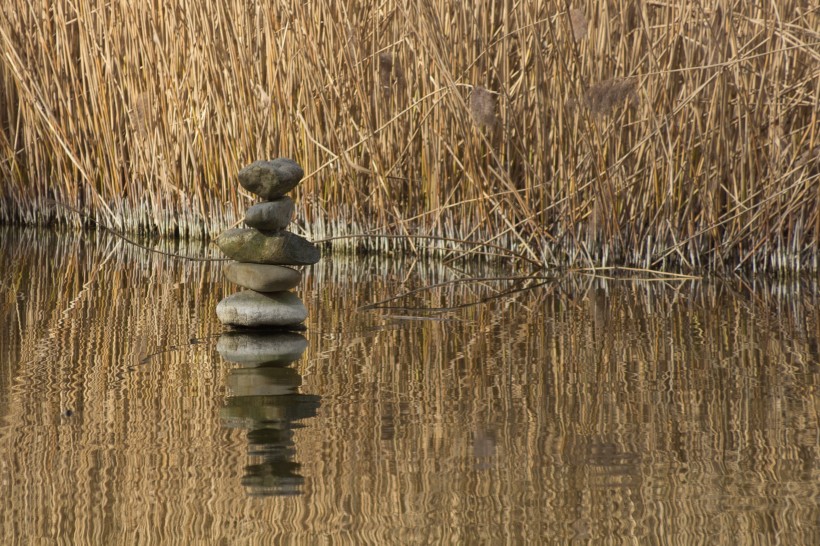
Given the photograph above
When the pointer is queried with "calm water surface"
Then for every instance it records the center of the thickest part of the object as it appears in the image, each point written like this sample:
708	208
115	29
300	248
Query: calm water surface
581	411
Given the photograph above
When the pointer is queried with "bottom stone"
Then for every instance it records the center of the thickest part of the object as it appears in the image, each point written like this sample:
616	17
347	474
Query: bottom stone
258	309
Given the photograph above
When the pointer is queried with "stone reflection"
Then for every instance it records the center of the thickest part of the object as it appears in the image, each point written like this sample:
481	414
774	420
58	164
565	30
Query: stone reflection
484	447
265	400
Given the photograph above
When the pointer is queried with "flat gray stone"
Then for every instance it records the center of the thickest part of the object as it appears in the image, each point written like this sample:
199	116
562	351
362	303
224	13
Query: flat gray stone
252	349
262	277
271	179
271	215
257	309
282	248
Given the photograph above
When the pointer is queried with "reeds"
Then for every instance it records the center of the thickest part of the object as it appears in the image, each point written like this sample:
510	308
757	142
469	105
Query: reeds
606	96
482	107
141	114
578	24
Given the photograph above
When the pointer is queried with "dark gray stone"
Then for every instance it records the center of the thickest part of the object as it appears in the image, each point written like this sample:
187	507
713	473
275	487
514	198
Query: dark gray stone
262	277
271	179
271	215
256	309
253	349
282	248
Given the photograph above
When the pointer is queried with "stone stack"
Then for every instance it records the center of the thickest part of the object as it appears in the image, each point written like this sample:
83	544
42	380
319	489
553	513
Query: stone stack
262	251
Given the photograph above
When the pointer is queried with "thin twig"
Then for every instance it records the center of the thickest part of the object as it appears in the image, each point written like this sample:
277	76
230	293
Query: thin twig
131	241
465	305
379	304
431	238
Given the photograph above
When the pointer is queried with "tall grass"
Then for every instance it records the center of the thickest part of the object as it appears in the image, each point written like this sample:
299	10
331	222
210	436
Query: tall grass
677	135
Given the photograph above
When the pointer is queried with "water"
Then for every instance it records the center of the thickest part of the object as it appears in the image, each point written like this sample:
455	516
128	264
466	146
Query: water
581	410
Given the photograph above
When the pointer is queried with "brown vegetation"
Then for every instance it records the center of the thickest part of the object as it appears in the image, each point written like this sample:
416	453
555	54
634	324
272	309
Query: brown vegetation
141	113
579	24
482	107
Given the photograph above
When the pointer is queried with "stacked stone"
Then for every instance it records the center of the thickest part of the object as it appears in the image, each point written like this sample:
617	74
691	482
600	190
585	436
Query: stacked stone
262	251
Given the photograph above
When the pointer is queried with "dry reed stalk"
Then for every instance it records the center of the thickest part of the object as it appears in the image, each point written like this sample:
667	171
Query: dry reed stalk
482	107
391	76
143	125
578	24
606	96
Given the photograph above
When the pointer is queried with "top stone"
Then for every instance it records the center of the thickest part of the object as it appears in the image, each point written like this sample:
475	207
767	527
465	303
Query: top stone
271	179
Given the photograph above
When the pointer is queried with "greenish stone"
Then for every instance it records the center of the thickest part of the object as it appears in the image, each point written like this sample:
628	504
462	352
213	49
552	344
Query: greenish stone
282	248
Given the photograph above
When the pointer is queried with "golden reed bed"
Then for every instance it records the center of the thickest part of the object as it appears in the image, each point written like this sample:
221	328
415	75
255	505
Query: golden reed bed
659	135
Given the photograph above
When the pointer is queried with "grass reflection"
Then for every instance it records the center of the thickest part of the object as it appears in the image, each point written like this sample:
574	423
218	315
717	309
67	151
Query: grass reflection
584	409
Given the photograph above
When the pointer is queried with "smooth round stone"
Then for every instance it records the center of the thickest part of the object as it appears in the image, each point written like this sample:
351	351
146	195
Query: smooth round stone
271	179
252	349
262	277
256	309
271	215
283	248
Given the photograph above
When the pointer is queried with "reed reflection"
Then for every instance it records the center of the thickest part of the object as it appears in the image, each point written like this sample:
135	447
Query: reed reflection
265	400
590	410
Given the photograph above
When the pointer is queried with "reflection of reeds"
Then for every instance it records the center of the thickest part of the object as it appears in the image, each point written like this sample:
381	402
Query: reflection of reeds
145	127
606	391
